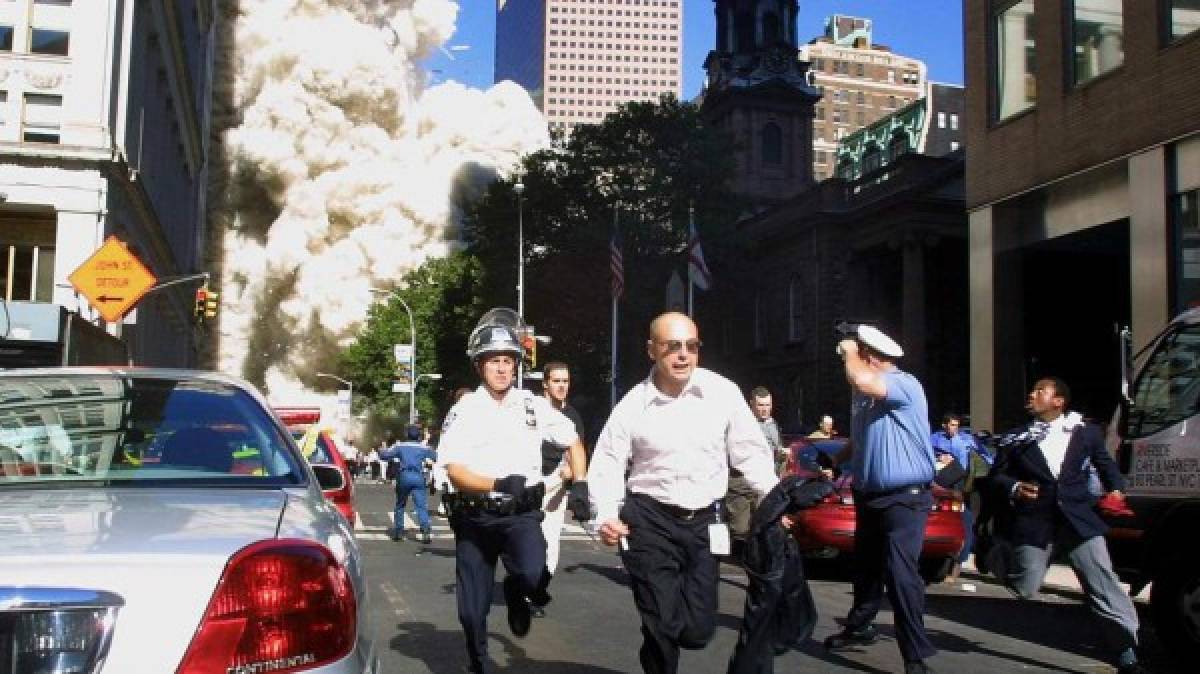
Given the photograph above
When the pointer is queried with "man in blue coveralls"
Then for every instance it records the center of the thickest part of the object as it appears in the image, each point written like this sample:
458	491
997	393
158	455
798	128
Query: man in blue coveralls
410	458
892	463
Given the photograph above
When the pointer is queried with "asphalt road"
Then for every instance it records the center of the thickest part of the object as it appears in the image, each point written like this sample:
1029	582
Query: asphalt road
592	627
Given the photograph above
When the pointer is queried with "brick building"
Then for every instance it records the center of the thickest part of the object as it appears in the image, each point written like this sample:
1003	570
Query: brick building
1083	169
860	82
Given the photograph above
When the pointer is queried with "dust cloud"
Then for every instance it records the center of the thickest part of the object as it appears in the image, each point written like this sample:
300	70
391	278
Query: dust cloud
345	170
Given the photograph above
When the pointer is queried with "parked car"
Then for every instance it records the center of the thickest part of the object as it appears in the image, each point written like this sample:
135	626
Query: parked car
131	543
320	448
827	529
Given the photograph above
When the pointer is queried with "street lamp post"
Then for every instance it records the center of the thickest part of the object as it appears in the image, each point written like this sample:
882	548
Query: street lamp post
519	188
349	384
412	354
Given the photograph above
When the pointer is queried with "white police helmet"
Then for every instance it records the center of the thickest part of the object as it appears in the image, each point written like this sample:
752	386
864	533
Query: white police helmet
496	332
874	338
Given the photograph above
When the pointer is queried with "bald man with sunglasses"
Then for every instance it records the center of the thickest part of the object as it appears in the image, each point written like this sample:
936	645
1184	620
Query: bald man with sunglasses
679	431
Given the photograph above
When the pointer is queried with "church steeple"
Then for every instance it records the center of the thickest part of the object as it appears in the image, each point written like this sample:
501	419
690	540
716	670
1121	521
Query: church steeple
758	90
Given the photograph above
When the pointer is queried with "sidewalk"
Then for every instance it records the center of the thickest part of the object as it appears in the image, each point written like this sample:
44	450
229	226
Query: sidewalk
1058	576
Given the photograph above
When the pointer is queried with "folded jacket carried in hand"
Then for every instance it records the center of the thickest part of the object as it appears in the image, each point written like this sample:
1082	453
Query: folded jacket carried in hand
779	613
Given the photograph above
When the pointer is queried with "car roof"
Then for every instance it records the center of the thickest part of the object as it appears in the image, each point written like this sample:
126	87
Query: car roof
139	372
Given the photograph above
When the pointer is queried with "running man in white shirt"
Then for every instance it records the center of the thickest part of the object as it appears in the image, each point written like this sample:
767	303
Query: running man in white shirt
679	432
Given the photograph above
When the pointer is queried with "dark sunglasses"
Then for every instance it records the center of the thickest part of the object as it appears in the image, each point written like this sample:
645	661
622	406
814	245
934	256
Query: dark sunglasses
676	345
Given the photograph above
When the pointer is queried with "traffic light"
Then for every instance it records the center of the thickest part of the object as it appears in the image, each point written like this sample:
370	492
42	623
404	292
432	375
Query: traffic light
201	299
210	304
529	344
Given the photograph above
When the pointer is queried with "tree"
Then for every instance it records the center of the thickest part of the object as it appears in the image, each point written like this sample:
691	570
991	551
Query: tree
445	296
647	164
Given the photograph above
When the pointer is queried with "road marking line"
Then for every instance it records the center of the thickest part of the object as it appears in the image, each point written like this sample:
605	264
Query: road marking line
394	597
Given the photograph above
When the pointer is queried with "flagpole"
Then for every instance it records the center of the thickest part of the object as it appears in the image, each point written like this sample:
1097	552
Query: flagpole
691	228
612	393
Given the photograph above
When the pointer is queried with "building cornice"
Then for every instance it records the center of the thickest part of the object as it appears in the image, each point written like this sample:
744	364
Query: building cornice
166	19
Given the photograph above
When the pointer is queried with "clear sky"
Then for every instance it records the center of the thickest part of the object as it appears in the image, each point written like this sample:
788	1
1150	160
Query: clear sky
930	30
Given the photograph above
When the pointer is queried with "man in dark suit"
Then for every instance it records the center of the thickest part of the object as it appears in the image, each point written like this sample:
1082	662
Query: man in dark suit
1049	479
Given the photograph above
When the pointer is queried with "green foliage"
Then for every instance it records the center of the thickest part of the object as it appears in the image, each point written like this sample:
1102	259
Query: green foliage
444	297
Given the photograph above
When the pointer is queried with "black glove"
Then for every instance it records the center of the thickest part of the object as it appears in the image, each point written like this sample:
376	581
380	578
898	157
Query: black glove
512	484
531	498
578	501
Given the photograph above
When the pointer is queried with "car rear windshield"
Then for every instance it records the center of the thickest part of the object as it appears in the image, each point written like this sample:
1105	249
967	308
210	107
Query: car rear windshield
138	430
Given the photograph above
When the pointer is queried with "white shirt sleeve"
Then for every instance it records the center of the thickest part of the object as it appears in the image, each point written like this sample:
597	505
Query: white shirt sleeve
606	473
455	436
557	428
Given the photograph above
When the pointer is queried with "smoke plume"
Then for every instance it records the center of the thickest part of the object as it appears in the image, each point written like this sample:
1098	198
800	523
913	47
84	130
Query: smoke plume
343	171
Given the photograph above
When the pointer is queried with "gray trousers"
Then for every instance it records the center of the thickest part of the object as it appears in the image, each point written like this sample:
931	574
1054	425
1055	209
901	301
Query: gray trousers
1102	590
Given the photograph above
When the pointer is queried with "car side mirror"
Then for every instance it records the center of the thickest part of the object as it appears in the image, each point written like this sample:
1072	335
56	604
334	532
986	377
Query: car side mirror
329	477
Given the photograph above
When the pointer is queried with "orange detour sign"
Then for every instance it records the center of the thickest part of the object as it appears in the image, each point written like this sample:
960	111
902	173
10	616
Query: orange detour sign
112	280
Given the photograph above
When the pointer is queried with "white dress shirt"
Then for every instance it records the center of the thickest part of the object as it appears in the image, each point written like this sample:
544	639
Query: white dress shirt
1058	436
501	438
678	449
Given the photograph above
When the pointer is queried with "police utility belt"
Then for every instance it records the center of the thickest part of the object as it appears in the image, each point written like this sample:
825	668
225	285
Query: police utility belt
491	503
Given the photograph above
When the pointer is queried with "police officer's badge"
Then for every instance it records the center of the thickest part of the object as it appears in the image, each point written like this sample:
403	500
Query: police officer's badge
448	420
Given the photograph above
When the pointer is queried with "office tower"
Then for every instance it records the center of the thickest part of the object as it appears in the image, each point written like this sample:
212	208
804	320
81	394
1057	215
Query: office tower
861	82
589	56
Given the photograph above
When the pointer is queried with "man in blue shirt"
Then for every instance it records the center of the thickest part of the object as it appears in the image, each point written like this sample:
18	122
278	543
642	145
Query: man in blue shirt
410	458
892	464
952	442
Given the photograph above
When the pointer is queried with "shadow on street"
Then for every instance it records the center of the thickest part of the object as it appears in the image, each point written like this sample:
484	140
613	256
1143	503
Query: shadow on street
444	651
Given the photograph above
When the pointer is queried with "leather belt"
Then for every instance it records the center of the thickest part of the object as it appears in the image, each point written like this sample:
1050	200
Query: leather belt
492	503
675	511
912	489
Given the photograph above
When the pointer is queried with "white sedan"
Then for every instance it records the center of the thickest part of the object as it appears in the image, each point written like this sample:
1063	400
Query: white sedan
163	521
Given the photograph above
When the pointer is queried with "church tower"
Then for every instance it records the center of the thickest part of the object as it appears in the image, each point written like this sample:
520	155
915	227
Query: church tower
758	91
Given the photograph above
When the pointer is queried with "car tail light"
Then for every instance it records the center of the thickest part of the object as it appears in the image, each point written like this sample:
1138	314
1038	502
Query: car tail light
948	505
281	606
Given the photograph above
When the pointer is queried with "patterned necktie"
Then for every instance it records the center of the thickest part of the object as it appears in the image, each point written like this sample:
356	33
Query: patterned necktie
1035	433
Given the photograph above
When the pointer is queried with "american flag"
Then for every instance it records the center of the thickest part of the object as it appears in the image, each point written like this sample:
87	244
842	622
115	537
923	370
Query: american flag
698	272
616	264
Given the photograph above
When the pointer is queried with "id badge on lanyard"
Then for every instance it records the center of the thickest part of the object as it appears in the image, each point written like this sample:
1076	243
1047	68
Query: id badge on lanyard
718	534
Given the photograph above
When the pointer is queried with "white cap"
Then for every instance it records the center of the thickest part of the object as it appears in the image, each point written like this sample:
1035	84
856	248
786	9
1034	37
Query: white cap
874	338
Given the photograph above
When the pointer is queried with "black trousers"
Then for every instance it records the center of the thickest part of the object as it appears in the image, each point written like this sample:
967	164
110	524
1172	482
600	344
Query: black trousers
479	540
887	548
674	579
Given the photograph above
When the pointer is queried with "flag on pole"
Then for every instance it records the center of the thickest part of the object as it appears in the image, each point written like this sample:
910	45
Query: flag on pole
698	273
616	264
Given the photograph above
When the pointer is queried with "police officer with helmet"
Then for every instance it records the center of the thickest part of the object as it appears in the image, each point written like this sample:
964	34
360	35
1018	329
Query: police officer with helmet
491	453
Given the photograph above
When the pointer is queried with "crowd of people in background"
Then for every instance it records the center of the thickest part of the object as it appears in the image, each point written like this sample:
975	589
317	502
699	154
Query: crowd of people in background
891	452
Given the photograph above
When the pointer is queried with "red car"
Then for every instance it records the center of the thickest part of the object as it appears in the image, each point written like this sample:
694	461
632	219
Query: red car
319	447
827	529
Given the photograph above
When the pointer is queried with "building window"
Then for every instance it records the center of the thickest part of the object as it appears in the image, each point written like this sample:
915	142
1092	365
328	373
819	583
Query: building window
6	38
872	159
954	121
899	145
954	145
1185	222
1097	43
796	309
1184	17
845	169
42	118
772	143
820	112
47	41
1014	83
941	120
27	260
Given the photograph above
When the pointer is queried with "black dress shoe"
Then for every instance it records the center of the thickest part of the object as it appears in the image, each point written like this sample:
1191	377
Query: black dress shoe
1132	668
917	667
537	611
852	637
519	616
